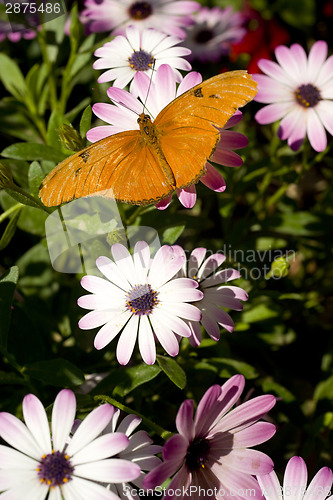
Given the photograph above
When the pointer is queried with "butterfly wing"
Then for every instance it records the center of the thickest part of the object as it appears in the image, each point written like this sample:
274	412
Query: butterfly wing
187	126
122	167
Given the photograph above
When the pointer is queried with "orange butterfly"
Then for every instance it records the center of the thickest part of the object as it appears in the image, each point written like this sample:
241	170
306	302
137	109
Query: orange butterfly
144	166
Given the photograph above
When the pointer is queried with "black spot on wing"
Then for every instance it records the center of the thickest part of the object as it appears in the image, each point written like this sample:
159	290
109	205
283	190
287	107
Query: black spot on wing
85	156
77	171
198	92
214	96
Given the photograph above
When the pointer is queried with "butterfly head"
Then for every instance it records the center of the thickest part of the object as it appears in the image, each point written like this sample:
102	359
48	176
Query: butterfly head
146	126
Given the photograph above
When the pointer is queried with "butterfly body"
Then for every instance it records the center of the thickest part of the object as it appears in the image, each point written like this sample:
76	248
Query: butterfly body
143	166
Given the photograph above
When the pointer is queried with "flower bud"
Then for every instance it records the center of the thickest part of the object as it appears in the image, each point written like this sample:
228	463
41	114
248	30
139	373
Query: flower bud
279	268
70	137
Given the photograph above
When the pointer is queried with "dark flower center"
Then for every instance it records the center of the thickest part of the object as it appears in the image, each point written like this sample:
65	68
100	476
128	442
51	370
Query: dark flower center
204	36
307	95
55	469
141	299
197	453
140	10
141	60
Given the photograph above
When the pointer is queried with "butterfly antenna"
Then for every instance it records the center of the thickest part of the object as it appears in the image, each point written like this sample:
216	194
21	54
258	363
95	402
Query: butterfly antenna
118	102
150	82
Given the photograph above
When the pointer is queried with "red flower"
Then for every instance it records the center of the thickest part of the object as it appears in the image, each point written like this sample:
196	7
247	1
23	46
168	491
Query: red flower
262	37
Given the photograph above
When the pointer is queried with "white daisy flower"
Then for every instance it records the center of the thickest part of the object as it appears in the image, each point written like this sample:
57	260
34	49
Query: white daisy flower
143	51
37	466
140	300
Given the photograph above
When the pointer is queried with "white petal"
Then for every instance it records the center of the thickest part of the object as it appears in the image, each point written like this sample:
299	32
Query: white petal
102	447
165	336
141	259
91	427
127	340
146	341
113	470
81	489
270	486
15	433
111	329
124	262
112	272
36	421
63	415
316	131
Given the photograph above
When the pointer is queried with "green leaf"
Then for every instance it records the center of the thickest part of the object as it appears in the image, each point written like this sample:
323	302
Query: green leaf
56	120
229	367
85	122
11	379
10	229
281	391
31	83
128	379
73	113
324	389
8	283
21	198
33	151
76	29
259	312
55	31
172	370
299	224
171	234
83	57
11	77
14	121
35	177
19	170
31	220
268	243
58	372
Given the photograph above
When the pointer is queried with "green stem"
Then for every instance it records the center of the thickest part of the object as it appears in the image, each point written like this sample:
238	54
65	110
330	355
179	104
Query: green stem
9	211
149	423
134	215
66	82
53	88
40	125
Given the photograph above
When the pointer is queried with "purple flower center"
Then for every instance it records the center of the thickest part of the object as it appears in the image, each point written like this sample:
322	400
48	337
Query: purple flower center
307	95
197	453
204	35
55	469
140	10
141	60
141	299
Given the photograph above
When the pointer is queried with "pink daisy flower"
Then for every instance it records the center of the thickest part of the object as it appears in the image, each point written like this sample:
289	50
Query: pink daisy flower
38	466
216	294
140	300
124	115
115	15
213	32
124	56
299	89
212	450
295	481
